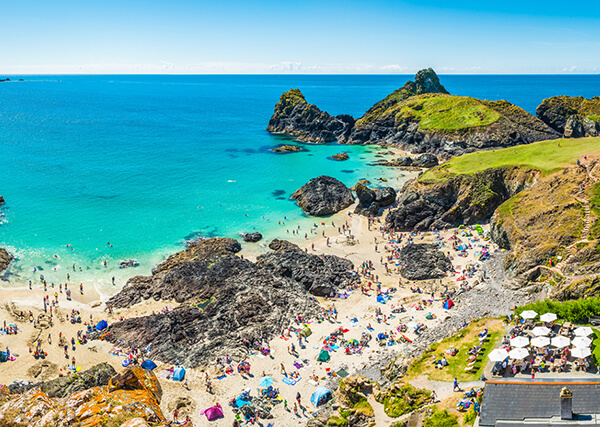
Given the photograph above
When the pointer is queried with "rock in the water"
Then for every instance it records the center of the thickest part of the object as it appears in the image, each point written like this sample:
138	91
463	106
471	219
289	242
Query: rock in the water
288	148
5	259
385	197
282	245
340	156
129	263
426	161
1	200
252	237
323	196
423	261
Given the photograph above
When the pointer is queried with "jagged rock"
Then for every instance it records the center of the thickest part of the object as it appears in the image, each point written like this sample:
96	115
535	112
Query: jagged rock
365	195
464	199
423	261
201	249
294	116
225	299
323	196
426	161
318	274
129	263
288	148
97	375
573	116
5	259
282	245
136	378
404	161
252	237
385	197
396	121
340	156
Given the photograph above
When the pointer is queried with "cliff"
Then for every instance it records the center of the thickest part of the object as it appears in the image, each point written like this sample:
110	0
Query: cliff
572	116
419	117
224	299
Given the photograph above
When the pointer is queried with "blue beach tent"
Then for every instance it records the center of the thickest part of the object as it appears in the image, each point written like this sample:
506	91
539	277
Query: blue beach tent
148	364
179	374
448	304
320	396
101	325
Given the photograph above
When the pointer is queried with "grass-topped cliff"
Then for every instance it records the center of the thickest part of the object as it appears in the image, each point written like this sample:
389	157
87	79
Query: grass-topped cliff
421	117
543	206
572	116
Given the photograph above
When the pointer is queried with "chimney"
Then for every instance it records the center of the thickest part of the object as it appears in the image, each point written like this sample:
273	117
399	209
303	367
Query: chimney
566	404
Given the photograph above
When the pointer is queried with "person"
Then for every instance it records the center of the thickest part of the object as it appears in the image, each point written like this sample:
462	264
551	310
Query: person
298	399
175	415
455	384
433	396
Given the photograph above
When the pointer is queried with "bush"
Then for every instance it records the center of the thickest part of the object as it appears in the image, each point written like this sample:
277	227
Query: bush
441	419
571	311
470	417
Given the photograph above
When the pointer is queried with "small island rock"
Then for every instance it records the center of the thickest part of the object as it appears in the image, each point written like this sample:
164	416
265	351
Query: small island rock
340	156
288	148
323	196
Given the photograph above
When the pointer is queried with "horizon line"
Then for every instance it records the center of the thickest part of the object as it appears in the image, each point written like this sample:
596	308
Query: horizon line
2	75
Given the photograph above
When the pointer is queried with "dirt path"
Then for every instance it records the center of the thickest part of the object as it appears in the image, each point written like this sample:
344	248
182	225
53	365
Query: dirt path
381	418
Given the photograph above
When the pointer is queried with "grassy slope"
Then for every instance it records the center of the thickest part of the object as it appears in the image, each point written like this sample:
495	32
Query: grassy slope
545	156
464	340
447	112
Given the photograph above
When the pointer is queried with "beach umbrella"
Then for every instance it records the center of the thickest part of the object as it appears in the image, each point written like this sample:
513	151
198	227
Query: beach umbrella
519	341
583	331
548	317
528	314
540	341
540	330
581	352
560	341
518	353
581	342
265	382
498	355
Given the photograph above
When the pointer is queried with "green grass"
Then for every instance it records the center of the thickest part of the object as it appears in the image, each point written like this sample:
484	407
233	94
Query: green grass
447	112
441	419
463	341
396	404
545	156
595	118
596	346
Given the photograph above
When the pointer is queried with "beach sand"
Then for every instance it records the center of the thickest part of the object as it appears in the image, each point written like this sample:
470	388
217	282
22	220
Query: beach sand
356	305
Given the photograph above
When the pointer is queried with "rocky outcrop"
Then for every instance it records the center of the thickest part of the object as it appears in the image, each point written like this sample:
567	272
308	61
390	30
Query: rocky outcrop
323	196
463	199
340	156
96	376
425	161
385	196
252	237
200	249
318	274
119	403
423	261
282	245
420	117
572	116
129	263
294	116
224	300
5	259
288	148
1	200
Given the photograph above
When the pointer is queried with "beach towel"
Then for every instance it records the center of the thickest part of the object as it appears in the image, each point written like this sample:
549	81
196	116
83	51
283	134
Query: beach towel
342	373
291	381
222	377
298	365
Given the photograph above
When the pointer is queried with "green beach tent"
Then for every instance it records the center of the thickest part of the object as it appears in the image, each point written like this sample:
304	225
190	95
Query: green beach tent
324	356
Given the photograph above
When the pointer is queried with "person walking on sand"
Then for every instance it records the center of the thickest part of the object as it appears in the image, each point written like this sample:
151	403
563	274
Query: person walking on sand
298	399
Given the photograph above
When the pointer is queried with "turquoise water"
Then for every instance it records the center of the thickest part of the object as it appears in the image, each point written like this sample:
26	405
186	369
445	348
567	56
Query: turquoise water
146	162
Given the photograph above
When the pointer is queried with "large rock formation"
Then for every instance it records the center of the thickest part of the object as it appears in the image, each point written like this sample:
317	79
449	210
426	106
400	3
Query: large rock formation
133	394
323	196
463	199
423	261
225	299
5	259
294	116
420	117
572	116
370	201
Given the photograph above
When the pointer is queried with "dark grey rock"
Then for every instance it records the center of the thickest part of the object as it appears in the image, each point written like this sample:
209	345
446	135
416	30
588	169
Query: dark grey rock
423	261
385	197
252	237
323	196
426	161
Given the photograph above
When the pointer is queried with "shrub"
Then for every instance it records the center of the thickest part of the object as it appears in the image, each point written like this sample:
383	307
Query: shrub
441	419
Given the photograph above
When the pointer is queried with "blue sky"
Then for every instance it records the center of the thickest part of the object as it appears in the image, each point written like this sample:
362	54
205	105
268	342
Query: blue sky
293	36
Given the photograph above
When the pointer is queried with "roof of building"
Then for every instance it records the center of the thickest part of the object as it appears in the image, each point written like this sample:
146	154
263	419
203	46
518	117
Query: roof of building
521	399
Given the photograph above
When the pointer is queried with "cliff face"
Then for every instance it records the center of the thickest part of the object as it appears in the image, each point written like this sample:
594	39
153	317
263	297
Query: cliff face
294	116
224	299
572	116
420	117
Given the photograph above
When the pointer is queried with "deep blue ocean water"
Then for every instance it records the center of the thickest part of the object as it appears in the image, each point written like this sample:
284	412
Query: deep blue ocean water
147	162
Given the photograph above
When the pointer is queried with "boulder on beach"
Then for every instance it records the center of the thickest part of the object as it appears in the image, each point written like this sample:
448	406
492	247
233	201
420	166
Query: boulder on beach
423	261
282	245
323	196
252	237
425	161
385	196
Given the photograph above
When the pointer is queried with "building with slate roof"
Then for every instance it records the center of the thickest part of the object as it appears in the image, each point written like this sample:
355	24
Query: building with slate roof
540	402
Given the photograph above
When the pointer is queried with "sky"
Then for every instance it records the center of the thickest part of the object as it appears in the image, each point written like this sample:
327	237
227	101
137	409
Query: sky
298	37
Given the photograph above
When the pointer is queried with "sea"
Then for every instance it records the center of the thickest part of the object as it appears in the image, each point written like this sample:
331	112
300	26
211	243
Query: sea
118	167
